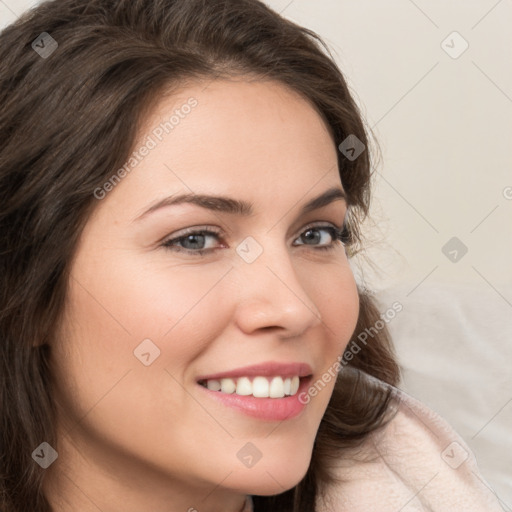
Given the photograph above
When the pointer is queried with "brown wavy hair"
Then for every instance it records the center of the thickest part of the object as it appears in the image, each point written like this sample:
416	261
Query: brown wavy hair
69	120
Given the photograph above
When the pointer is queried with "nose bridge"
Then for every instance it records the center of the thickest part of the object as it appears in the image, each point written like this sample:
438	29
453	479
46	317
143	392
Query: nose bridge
272	293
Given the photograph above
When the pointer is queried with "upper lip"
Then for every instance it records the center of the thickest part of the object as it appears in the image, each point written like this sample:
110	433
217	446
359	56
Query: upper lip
269	369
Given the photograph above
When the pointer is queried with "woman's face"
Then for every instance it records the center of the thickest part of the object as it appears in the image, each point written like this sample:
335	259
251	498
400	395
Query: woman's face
153	310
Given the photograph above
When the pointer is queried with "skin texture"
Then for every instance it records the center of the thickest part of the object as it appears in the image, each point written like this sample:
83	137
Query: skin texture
147	438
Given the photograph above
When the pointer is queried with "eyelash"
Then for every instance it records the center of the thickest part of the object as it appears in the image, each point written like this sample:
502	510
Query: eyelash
337	234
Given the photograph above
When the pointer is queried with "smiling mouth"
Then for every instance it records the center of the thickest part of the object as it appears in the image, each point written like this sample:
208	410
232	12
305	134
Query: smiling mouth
259	387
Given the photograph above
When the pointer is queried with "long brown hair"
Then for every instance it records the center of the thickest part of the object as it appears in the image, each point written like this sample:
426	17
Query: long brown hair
70	118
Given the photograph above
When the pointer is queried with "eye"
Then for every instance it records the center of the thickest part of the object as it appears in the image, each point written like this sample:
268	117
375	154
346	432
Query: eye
325	237
201	241
193	241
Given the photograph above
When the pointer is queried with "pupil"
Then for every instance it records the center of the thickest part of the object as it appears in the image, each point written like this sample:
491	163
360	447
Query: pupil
312	234
193	240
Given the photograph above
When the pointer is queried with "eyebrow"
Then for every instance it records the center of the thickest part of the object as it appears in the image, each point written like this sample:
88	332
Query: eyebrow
239	207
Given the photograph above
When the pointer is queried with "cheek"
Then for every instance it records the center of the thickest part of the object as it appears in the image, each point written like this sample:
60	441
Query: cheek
101	383
126	301
112	312
337	300
335	294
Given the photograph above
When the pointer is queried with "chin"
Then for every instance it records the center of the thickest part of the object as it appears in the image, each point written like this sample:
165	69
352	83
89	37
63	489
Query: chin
274	478
277	482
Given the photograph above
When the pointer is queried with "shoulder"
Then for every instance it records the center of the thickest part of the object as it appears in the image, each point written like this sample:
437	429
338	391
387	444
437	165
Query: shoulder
417	462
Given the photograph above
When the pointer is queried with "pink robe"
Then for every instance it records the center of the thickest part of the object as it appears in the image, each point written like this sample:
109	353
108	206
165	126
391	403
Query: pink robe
418	464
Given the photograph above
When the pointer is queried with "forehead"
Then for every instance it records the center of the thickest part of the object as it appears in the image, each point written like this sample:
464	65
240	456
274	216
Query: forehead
232	117
233	137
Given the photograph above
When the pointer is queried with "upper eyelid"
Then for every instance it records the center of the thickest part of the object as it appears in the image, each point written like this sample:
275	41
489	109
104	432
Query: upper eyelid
220	231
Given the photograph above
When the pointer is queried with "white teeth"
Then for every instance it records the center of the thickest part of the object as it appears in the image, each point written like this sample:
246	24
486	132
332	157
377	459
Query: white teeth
227	385
260	387
244	387
287	386
294	386
276	388
214	385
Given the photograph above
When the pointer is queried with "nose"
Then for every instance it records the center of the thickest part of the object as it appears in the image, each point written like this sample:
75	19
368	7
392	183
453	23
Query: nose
272	296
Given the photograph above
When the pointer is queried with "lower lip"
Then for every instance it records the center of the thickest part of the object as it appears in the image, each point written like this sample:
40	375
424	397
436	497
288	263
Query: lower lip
270	409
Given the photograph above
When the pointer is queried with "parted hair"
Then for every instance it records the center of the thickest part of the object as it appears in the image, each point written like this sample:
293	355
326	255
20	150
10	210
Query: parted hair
70	119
